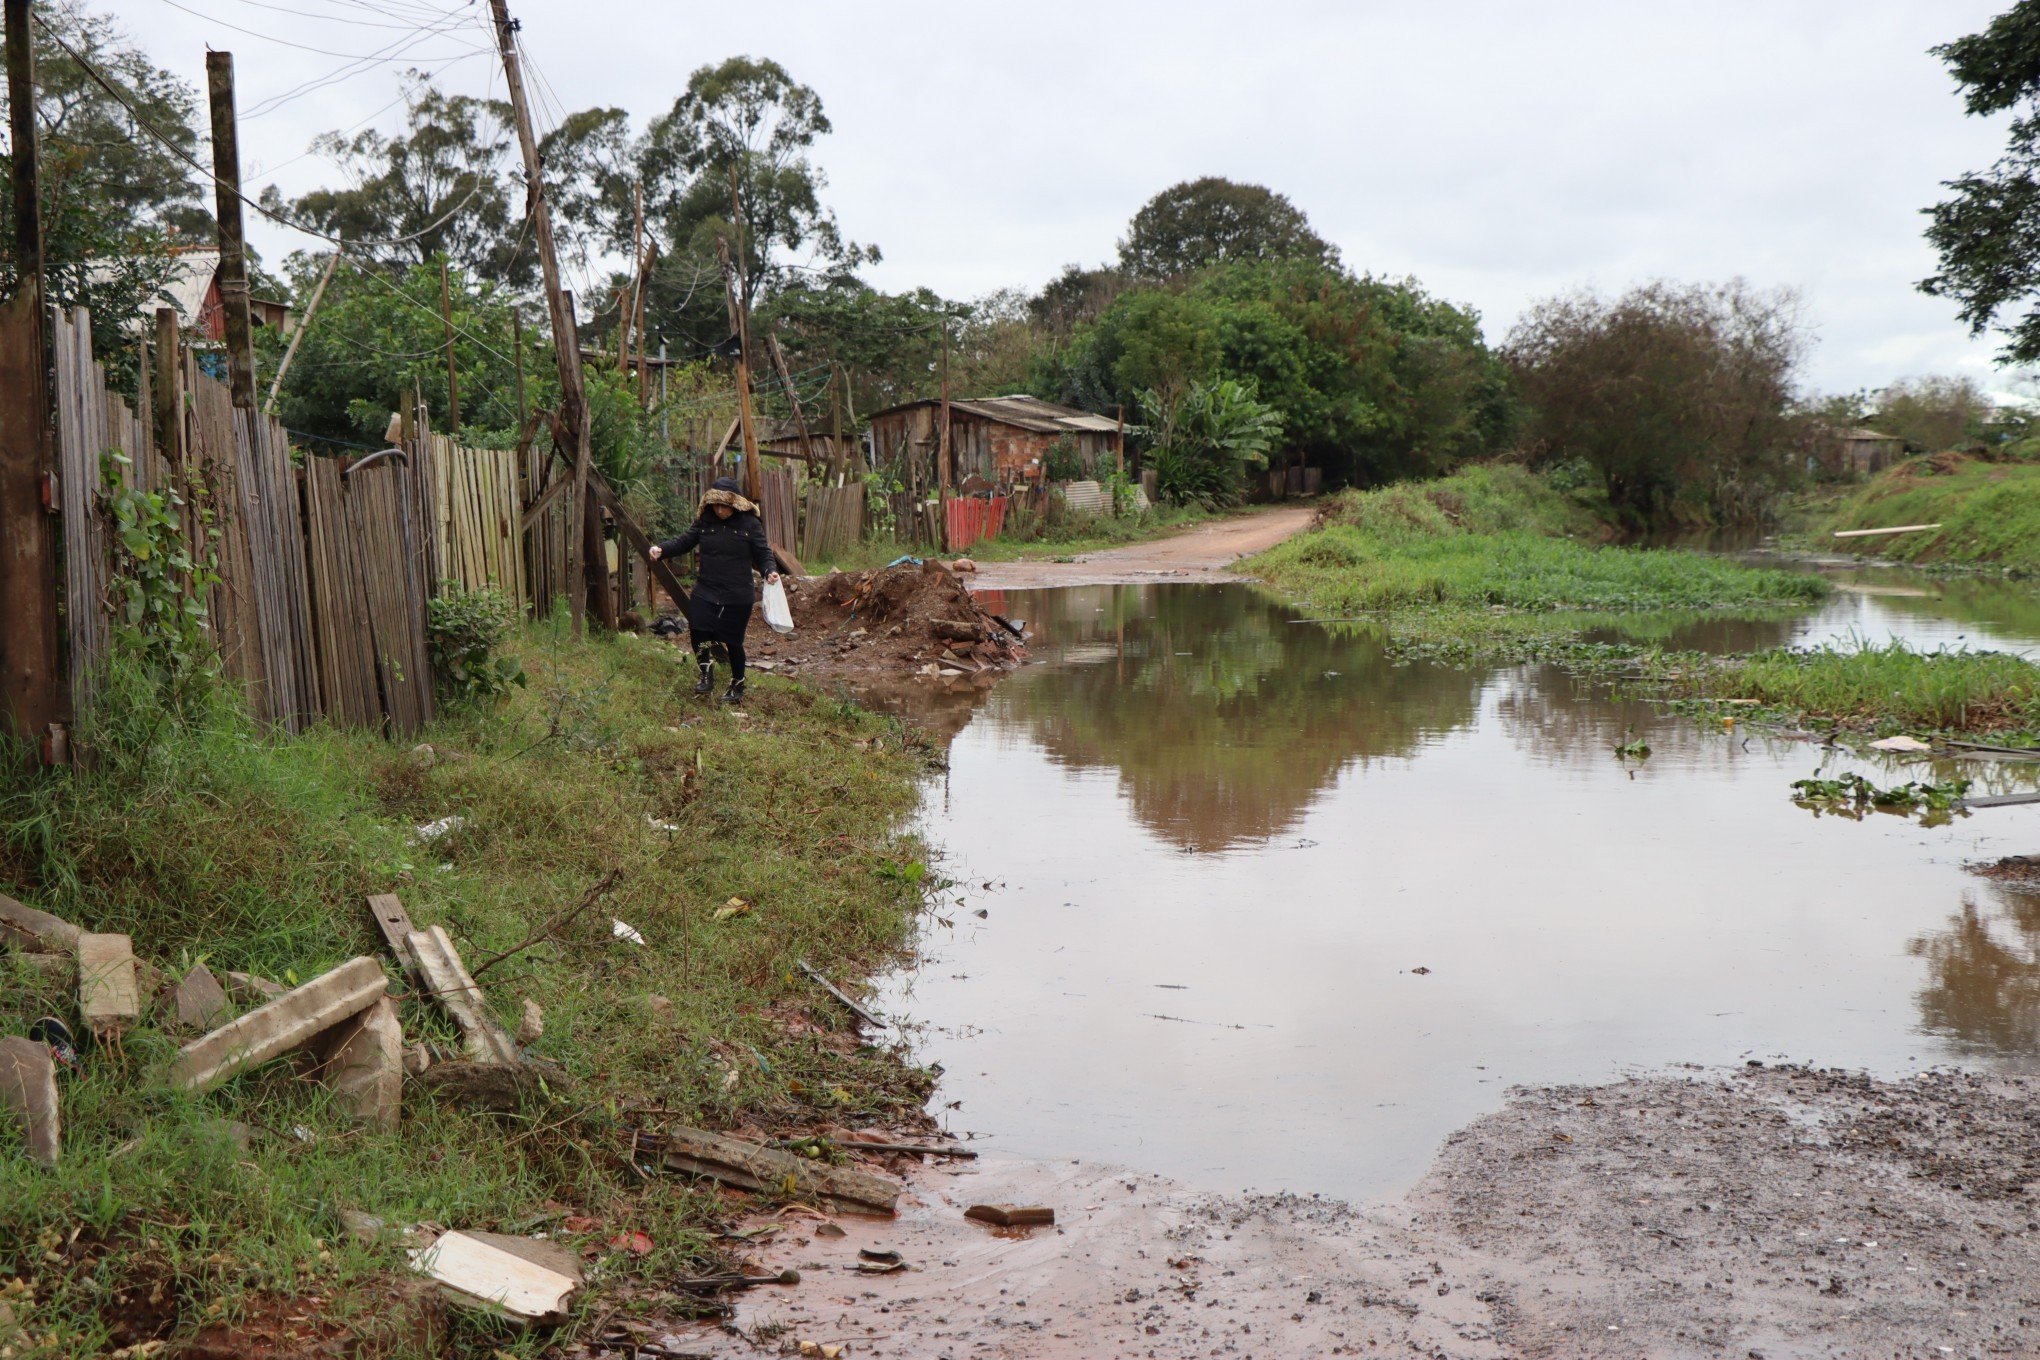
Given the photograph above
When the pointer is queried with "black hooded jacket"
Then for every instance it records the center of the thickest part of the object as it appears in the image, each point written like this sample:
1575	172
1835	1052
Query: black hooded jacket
730	550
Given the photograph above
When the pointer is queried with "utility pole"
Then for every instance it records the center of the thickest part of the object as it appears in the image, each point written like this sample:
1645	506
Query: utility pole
452	372
168	396
35	700
573	411
1118	450
942	469
835	426
754	484
233	275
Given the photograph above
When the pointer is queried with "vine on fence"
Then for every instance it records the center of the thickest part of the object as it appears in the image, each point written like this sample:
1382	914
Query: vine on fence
165	560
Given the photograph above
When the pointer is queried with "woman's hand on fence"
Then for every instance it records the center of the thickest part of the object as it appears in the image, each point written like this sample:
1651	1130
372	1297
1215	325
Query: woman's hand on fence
654	553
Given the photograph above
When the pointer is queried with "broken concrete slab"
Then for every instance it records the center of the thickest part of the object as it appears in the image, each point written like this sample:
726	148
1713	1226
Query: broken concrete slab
1012	1215
531	1028
363	1064
280	1025
516	1278
198	1001
109	995
28	1089
504	1088
36	932
446	978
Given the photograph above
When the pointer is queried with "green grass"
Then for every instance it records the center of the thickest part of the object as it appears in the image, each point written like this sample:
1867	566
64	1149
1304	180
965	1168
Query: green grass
1989	513
211	841
1871	687
1490	540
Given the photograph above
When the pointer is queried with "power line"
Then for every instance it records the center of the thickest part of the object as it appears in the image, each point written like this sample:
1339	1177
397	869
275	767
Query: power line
286	42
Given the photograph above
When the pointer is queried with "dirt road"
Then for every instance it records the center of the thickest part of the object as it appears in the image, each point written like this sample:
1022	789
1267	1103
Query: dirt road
1767	1212
1202	554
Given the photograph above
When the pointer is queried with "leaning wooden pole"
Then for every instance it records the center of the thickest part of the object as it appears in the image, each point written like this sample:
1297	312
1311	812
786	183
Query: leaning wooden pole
573	410
233	275
754	482
452	369
35	700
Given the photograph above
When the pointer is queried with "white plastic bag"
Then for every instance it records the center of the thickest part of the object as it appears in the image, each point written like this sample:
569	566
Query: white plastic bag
778	614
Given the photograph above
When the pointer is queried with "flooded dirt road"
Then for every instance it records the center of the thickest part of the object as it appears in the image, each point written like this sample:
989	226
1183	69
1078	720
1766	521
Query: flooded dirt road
1273	912
1201	555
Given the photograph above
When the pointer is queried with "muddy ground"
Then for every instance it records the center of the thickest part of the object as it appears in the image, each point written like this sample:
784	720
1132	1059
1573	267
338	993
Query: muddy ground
1204	554
1765	1212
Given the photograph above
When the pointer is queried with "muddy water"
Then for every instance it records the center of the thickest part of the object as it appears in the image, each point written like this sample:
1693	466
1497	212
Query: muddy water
1248	904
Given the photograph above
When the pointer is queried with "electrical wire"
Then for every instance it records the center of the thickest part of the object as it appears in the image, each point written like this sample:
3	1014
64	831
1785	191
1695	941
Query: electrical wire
376	56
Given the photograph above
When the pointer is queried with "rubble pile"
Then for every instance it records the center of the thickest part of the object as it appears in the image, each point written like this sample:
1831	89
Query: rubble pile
913	618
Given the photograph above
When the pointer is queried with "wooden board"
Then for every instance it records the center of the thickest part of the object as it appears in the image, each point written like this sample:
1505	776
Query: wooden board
446	978
483	1274
750	1166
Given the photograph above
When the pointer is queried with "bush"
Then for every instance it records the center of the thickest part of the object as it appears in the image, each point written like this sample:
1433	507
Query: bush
1063	462
466	630
1206	439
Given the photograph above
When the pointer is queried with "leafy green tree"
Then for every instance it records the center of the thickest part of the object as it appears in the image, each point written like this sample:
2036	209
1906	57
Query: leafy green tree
1074	298
1988	231
1680	396
114	199
1206	222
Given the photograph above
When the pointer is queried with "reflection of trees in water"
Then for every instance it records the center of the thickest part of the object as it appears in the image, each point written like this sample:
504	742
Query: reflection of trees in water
1983	974
1232	742
1567	719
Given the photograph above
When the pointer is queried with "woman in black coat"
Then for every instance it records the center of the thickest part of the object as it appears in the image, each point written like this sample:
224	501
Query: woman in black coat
732	541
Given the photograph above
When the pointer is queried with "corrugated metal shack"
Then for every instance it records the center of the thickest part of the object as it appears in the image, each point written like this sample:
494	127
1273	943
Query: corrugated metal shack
1003	441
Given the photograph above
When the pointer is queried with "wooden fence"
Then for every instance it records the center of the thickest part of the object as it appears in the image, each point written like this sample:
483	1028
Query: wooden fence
476	534
832	519
323	572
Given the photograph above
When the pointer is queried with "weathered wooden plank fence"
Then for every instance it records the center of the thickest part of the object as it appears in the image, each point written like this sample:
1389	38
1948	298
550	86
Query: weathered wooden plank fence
476	533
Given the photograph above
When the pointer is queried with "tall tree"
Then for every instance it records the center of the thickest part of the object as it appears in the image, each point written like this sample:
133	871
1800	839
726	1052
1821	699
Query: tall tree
1988	231
746	127
1680	396
1212	221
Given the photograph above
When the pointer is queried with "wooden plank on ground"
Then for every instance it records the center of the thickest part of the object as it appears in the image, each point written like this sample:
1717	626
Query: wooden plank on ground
446	978
750	1166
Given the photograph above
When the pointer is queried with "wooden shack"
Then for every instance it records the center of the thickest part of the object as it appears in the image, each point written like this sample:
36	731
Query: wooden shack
1859	452
1003	441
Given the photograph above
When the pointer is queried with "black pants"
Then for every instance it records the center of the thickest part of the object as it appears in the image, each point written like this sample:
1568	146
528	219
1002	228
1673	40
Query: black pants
710	625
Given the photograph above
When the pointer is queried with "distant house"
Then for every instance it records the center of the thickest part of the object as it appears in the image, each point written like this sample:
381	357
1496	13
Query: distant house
193	289
1864	452
1003	441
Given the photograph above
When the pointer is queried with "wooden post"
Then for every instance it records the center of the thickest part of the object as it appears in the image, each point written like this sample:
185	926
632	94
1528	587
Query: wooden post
573	412
233	275
290	352
807	443
169	395
836	460
35	700
942	468
517	358
452	371
1118	450
754	485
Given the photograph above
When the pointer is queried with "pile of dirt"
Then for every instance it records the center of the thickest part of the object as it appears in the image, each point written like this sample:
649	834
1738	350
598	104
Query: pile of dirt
910	619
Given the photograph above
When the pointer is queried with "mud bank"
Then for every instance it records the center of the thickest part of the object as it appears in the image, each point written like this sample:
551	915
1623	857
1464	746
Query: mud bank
1767	1212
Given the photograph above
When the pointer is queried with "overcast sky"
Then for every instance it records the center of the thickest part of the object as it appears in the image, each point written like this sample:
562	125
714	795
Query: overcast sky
1497	151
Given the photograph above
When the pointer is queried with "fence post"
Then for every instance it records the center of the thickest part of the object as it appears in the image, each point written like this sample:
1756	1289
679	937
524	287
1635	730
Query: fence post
35	699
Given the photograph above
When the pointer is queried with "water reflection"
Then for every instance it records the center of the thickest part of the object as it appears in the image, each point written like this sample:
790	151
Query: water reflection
1983	974
1222	719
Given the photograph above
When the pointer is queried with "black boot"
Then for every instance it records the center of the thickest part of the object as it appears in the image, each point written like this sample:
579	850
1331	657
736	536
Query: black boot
735	693
706	683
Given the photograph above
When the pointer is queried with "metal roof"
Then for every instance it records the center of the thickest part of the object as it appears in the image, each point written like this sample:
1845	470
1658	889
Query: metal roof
1026	413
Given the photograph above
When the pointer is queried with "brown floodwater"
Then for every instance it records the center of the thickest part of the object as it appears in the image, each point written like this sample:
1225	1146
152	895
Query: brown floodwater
1247	903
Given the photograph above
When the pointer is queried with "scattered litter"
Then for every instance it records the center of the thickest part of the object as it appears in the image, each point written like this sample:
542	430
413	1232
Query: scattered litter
736	906
711	1283
1012	1215
432	831
833	990
624	932
879	1262
636	1243
57	1037
825	1350
655	824
521	1279
1910	744
829	1230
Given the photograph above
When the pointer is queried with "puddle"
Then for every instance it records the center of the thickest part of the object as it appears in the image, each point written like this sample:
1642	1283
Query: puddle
1273	912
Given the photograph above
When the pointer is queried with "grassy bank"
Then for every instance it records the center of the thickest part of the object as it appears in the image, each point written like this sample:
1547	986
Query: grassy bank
1877	689
1039	540
1989	514
1458	556
255	854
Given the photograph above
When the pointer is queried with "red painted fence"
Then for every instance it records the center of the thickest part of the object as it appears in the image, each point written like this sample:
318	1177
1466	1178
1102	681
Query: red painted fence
972	518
